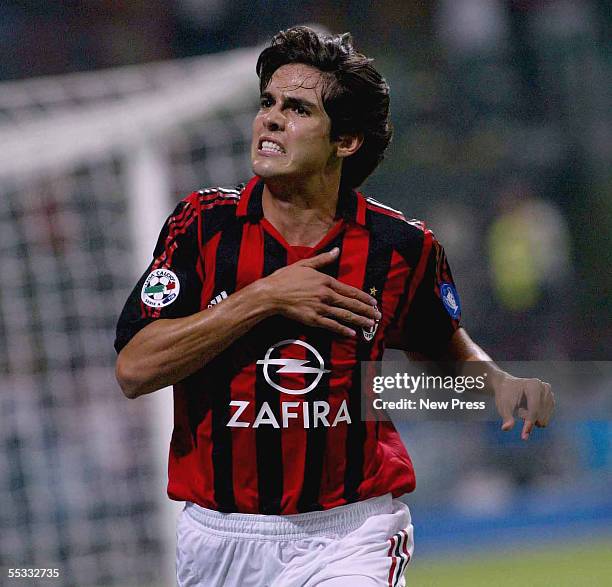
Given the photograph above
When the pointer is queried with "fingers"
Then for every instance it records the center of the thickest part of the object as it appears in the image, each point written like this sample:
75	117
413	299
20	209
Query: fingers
532	388
345	315
533	399
311	297
549	404
356	307
547	407
334	326
527	428
352	292
347	291
321	260
540	405
505	402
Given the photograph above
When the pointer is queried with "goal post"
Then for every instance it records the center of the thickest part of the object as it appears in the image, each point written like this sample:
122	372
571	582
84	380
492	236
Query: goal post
90	166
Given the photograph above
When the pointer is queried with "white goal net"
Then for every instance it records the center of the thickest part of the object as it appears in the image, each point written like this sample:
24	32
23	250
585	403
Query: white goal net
90	165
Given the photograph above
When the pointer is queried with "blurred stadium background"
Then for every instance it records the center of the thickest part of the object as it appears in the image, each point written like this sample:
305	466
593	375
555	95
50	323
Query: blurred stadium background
110	111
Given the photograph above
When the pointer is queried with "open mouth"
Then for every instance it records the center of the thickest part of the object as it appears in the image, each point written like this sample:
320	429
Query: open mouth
270	147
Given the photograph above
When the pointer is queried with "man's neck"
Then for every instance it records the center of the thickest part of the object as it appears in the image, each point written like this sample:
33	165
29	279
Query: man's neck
302	214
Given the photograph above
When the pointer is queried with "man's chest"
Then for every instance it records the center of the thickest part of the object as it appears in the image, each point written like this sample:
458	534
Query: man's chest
244	253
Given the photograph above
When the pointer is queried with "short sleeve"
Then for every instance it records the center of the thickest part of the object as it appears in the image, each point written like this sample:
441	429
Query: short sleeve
171	285
432	311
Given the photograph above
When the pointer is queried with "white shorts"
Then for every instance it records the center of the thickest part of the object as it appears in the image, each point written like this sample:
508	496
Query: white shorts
361	544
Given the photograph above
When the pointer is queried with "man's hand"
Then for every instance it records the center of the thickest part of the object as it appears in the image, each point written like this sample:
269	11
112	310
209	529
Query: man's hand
301	292
532	399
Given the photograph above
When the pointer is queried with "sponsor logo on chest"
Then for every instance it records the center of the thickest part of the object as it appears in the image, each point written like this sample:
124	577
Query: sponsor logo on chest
303	413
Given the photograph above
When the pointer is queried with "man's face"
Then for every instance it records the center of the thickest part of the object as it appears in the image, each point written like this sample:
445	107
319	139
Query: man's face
291	132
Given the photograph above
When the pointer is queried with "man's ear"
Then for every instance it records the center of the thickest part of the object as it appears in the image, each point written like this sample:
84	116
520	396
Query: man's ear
348	144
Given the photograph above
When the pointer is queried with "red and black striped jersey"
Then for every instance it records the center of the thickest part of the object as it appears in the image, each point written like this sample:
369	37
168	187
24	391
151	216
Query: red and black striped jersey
273	424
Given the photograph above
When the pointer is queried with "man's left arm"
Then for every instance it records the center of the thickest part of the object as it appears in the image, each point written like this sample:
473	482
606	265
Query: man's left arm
429	330
530	398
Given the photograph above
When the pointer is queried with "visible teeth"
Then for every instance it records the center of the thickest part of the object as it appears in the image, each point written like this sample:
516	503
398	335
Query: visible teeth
270	146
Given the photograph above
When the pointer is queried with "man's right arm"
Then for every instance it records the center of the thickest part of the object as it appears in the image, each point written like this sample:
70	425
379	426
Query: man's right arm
168	350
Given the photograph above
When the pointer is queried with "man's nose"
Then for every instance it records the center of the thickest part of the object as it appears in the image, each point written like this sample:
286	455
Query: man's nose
274	119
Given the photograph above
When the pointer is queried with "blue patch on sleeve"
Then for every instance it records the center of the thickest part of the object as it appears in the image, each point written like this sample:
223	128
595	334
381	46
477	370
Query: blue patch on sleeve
450	299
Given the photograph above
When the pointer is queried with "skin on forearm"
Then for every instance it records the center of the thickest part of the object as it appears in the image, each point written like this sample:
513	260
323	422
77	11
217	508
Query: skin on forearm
168	350
463	349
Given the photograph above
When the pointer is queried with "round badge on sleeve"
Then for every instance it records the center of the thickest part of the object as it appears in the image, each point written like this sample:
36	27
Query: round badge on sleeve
450	299
160	288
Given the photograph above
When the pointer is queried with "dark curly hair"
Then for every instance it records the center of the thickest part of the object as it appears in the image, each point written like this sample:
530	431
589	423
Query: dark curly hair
355	96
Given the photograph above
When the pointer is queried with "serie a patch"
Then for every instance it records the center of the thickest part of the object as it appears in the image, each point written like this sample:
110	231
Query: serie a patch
160	289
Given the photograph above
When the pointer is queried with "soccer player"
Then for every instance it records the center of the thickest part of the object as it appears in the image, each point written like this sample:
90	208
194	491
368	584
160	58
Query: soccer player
258	307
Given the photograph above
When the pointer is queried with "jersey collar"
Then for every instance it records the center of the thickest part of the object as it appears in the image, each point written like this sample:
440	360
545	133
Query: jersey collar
351	204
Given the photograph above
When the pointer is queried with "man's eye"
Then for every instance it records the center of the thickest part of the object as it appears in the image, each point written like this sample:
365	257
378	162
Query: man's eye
265	102
300	110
